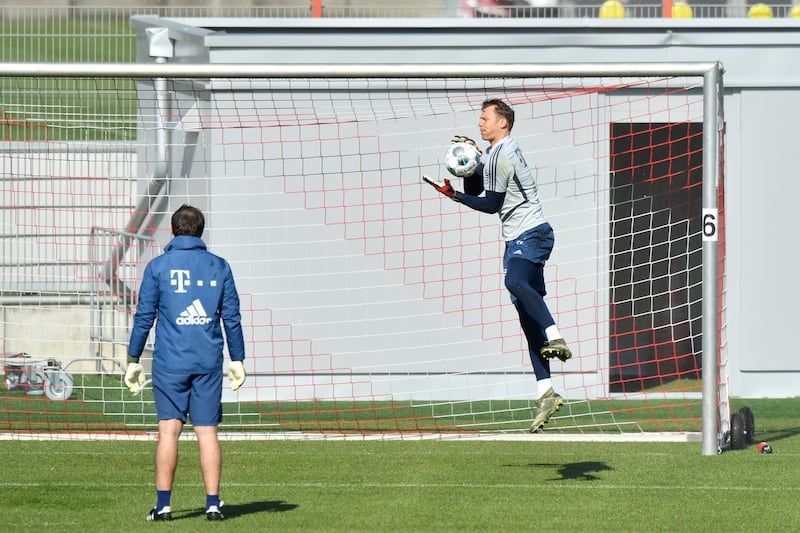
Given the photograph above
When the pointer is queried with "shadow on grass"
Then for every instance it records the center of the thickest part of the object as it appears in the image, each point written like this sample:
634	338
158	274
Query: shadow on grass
234	510
583	471
773	435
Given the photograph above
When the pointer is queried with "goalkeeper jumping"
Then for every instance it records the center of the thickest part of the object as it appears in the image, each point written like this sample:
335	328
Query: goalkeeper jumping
508	188
189	290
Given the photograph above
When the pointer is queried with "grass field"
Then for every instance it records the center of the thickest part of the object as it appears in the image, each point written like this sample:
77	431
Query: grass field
100	403
415	485
392	485
67	40
63	109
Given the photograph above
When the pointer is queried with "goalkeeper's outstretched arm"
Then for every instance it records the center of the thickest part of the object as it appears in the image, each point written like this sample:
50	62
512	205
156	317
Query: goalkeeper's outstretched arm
490	203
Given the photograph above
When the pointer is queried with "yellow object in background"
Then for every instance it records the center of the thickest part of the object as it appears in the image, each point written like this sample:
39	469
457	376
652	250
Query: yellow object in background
682	10
795	12
612	9
760	11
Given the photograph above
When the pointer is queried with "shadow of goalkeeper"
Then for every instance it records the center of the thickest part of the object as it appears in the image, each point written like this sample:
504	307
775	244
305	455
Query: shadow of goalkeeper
241	509
584	470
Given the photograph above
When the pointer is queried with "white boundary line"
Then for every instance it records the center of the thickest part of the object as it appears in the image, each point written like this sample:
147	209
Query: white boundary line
338	437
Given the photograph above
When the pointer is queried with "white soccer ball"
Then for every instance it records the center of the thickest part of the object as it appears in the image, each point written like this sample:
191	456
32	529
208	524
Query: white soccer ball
462	159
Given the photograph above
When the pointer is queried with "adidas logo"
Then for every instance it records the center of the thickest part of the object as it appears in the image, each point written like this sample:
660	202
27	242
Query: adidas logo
194	315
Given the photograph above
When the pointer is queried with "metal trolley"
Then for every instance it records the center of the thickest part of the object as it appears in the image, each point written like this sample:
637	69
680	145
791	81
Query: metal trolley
37	376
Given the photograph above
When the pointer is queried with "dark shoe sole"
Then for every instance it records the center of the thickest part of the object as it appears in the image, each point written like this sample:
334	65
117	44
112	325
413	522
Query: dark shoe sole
555	353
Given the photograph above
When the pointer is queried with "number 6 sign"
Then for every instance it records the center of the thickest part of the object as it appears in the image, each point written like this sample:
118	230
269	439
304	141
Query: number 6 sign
710	224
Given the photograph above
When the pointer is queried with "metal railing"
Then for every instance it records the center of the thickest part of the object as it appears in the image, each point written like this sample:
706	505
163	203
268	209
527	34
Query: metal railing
81	31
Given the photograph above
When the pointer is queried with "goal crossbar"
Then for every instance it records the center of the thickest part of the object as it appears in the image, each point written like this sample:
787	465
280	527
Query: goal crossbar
178	70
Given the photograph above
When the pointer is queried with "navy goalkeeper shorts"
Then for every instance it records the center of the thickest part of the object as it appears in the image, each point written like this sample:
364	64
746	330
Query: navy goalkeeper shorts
197	395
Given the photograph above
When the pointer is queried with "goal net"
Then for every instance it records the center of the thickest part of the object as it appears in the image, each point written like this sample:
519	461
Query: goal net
371	304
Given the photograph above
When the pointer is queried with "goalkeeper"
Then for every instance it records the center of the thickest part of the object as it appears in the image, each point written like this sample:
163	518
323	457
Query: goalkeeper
508	188
189	291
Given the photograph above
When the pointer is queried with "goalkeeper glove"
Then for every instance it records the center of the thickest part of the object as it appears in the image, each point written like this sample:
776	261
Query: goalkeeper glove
463	139
134	377
443	187
236	374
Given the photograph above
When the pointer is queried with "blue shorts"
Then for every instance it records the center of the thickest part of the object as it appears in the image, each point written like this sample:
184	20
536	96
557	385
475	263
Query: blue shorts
535	245
198	395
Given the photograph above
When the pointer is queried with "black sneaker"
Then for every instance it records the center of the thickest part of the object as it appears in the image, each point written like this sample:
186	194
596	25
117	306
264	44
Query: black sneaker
165	515
213	513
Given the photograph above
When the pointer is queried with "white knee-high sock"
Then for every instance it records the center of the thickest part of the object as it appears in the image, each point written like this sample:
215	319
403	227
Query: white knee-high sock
552	333
543	386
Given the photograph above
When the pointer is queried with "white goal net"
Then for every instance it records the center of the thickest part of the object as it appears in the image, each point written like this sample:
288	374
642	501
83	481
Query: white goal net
370	303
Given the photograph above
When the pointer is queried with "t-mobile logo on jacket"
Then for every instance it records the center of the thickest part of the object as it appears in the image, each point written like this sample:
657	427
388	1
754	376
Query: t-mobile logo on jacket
182	279
179	278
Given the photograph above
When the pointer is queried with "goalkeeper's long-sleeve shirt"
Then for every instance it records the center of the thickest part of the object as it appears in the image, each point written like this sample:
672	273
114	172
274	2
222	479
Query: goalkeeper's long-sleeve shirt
188	292
511	189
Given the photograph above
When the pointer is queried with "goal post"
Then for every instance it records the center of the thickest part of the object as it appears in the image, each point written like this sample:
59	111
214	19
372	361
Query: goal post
370	303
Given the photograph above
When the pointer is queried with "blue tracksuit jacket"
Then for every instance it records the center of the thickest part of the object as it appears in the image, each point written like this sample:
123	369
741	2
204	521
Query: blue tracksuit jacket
189	290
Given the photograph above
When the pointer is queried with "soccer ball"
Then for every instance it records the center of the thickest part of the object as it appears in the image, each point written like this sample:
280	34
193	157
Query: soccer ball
462	159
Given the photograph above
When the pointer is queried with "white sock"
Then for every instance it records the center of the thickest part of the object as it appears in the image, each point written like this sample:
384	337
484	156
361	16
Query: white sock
543	386
552	333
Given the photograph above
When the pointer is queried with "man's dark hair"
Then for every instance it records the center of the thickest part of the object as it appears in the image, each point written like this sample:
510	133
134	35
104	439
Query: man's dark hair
502	109
188	220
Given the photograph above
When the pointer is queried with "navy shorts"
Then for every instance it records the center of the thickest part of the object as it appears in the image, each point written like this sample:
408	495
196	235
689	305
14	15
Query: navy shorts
535	245
196	395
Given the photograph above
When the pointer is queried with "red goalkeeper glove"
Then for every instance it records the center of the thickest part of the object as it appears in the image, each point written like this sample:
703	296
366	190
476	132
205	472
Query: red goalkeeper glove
443	187
463	139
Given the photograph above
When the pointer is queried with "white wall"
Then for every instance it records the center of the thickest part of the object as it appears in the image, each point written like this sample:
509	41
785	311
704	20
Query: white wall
761	117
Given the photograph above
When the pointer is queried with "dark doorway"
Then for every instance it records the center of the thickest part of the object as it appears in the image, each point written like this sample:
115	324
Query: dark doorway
656	254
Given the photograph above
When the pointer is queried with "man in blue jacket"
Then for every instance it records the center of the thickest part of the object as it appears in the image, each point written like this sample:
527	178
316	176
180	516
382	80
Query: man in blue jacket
189	291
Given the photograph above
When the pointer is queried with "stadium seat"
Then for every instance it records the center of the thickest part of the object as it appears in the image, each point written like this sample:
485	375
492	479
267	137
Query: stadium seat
682	10
612	9
759	11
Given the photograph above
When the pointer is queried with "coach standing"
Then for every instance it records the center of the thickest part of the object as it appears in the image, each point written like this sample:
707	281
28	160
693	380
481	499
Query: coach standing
189	290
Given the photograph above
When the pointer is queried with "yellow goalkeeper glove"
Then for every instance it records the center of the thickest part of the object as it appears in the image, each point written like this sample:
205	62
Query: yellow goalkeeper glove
236	374
134	377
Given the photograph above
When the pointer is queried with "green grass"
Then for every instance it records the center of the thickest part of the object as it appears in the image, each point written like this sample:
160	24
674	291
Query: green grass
460	485
62	109
102	404
67	40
